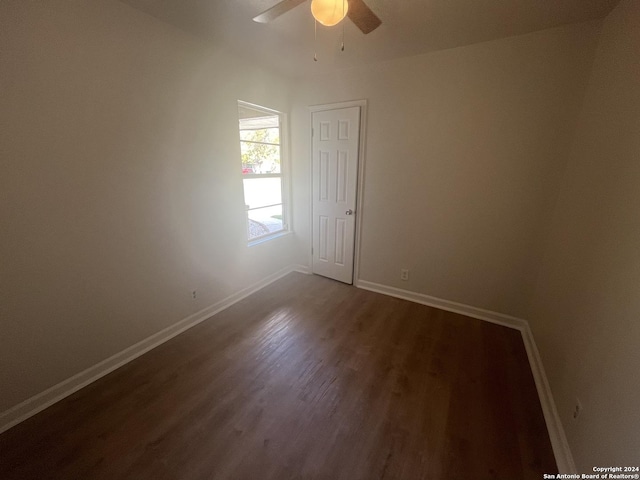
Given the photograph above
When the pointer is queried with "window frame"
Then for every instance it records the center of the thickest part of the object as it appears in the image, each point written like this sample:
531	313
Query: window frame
283	175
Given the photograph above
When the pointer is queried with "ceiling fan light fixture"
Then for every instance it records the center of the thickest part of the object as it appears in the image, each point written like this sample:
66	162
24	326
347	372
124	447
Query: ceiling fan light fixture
329	12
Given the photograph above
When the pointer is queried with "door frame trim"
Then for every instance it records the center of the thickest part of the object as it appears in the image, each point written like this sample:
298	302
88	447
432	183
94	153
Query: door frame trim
359	181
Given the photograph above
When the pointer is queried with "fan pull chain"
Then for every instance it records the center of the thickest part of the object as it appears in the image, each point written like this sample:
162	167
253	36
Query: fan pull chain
315	39
342	49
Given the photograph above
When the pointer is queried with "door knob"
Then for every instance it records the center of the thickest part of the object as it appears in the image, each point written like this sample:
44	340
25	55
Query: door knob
349	212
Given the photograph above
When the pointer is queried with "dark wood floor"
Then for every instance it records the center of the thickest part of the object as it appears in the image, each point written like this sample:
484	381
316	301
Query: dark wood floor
306	379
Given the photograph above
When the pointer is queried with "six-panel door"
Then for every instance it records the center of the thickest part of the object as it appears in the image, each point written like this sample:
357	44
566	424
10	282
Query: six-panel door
335	174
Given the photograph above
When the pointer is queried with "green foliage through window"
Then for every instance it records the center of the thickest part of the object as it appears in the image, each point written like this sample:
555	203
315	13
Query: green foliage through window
260	154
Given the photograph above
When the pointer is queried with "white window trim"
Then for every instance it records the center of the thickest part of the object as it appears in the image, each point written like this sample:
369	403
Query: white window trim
285	175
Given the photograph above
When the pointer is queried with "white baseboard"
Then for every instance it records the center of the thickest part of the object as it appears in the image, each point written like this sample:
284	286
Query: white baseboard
54	394
474	312
301	269
561	450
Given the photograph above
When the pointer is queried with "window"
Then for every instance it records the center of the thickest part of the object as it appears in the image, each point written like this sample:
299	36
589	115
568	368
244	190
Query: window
262	170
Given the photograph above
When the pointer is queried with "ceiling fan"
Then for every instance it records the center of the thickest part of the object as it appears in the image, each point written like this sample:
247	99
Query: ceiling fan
357	11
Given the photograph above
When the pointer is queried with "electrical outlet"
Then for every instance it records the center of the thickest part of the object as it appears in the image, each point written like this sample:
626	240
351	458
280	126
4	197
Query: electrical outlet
577	409
194	294
404	274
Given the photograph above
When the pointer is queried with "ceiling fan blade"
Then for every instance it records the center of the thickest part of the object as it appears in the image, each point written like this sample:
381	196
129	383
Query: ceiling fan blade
363	16
278	9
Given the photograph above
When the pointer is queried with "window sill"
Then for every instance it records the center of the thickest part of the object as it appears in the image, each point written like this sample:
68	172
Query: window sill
266	238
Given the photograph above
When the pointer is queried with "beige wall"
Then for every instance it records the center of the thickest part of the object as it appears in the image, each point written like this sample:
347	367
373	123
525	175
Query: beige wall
120	187
120	192
586	311
465	148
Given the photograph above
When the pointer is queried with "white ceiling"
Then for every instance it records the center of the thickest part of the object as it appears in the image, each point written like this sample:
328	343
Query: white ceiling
409	27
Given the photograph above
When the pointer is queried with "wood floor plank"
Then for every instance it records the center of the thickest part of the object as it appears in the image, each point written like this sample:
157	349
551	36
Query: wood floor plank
305	379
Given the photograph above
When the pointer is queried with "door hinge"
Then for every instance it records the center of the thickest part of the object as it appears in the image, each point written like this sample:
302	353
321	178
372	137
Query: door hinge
313	132
311	250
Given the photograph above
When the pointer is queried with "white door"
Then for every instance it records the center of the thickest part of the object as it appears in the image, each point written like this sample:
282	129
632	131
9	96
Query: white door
336	138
